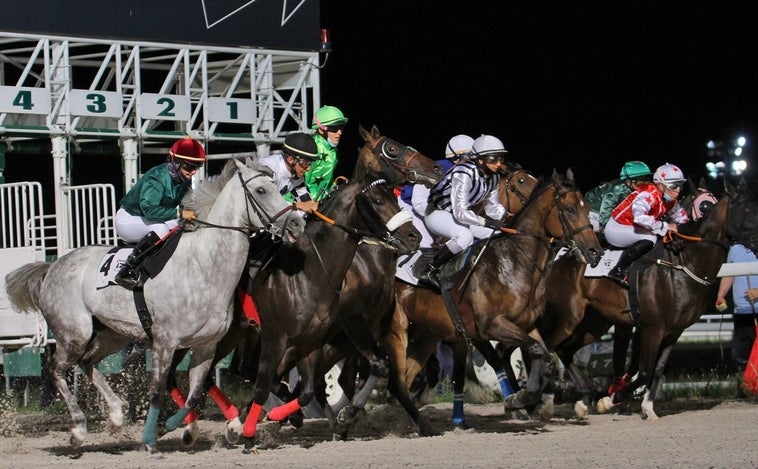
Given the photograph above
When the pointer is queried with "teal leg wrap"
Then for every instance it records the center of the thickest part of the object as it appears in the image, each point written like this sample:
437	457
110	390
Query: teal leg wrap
176	420
149	433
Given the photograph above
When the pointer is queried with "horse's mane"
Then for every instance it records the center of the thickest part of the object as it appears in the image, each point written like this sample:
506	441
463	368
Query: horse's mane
543	184
202	197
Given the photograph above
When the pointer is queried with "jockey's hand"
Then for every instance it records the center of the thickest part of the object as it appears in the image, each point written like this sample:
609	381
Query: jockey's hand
307	206
673	227
751	294
188	214
492	223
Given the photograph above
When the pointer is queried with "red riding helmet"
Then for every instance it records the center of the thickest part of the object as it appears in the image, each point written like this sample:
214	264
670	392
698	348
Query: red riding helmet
188	149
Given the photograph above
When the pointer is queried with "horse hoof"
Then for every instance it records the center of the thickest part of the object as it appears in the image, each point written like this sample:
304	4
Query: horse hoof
78	435
152	450
547	410
580	409
250	446
625	409
190	434
606	405
520	414
233	431
115	421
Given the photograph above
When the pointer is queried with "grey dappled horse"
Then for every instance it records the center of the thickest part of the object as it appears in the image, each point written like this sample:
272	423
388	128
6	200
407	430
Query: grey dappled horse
190	301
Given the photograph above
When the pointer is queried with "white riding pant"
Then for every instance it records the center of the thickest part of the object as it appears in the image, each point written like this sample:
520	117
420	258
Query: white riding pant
625	235
442	223
595	221
132	228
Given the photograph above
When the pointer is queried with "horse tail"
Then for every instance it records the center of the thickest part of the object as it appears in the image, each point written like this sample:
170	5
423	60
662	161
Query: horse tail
24	284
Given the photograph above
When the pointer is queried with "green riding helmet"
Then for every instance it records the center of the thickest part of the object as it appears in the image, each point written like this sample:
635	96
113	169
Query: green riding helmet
635	170
326	116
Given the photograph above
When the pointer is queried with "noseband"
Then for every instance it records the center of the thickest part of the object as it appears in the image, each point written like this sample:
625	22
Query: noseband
268	221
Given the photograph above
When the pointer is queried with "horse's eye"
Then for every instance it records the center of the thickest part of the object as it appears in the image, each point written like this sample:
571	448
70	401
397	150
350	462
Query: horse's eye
521	180
260	190
571	210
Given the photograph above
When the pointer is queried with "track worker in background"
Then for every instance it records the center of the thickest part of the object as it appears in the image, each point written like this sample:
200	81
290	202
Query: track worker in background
744	294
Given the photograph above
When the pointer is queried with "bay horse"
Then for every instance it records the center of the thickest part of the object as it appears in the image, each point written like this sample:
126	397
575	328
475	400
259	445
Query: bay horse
503	295
677	284
314	275
90	322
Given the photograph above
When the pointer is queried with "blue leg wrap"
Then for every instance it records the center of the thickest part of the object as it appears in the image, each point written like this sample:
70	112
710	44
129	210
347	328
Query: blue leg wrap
175	420
458	416
505	386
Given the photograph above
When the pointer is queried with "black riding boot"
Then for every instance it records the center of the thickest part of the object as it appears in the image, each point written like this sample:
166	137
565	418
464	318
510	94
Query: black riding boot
127	276
630	254
431	273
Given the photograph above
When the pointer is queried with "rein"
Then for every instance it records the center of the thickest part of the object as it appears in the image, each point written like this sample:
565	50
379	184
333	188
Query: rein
391	161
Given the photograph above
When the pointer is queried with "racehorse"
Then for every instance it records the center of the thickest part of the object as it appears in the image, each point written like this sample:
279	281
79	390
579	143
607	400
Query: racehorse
503	294
90	322
362	291
313	273
580	310
677	282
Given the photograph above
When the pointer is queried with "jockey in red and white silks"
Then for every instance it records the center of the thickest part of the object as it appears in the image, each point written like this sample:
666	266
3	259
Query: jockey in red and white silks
465	185
640	216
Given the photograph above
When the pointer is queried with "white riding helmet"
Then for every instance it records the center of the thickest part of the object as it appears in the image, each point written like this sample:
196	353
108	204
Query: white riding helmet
486	145
668	173
458	147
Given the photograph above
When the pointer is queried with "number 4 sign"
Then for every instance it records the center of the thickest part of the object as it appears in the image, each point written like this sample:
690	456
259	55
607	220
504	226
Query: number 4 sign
24	100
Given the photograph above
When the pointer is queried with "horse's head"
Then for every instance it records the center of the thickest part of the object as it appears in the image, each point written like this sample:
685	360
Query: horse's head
742	216
516	185
567	218
400	163
377	204
266	208
699	201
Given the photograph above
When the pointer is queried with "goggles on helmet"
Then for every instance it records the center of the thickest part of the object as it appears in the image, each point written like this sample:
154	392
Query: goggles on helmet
305	163
335	128
489	159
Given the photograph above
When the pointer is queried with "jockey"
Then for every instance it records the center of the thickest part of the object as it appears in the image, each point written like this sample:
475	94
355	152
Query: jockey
328	122
299	151
415	197
637	221
467	184
604	198
152	207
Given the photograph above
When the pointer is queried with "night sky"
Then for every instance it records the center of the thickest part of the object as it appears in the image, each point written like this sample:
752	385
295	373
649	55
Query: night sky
586	85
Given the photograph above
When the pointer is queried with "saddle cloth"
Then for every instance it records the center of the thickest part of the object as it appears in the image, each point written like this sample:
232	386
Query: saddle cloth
110	264
607	262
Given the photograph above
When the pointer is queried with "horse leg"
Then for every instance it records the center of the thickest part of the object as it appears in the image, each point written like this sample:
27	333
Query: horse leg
66	355
200	364
498	363
535	383
271	355
162	357
649	398
460	352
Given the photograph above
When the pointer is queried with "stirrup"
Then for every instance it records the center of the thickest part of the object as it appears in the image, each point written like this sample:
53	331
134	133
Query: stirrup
619	276
430	277
129	279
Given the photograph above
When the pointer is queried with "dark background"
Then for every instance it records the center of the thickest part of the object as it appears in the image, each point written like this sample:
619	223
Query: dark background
587	85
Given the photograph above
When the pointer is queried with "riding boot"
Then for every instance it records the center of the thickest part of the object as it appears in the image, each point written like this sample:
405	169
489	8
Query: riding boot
431	272
128	276
630	254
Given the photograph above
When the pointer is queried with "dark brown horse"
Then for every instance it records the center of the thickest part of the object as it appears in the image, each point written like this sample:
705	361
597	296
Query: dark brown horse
676	285
502	297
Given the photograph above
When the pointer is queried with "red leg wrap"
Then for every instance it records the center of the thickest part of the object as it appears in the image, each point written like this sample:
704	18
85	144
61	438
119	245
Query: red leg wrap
223	403
251	422
281	412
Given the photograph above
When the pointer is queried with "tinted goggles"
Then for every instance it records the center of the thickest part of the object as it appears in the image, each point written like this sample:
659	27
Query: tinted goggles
303	162
494	159
187	166
335	128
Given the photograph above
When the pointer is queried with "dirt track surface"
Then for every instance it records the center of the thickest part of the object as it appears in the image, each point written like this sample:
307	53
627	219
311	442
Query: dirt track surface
689	435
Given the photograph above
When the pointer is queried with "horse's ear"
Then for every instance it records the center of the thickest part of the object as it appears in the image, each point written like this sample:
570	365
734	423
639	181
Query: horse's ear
240	164
702	184
570	176
691	183
375	132
363	132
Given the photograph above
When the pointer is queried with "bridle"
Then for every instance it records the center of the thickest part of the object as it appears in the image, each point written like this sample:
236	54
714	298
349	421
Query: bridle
252	205
396	158
512	187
